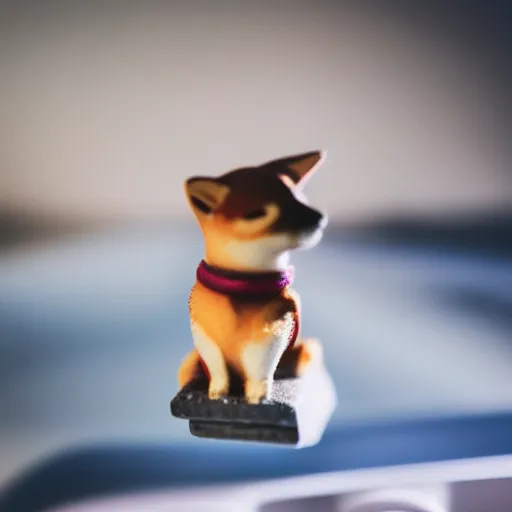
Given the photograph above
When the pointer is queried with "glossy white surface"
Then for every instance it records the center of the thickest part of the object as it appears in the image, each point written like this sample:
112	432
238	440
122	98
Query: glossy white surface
436	487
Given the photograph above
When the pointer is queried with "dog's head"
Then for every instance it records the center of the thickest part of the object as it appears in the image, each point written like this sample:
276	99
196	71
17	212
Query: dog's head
250	217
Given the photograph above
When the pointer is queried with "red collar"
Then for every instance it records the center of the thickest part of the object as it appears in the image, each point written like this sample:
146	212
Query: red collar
230	282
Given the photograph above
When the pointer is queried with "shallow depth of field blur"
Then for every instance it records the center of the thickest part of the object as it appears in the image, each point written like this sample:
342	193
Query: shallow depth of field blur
106	108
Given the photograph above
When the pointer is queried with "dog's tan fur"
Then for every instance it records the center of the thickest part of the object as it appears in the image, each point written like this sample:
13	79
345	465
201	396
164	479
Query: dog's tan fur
250	219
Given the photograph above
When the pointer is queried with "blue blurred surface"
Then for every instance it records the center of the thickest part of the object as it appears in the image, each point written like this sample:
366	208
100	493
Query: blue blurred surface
93	329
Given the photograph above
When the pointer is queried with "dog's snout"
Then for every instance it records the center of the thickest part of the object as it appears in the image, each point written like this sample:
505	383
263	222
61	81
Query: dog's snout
324	220
311	218
300	218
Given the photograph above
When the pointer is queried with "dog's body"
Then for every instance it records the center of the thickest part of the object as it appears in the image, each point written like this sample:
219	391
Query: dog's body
251	218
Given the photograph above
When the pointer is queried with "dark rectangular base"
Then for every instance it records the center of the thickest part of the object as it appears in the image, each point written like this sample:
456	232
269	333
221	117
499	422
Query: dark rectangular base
296	414
244	432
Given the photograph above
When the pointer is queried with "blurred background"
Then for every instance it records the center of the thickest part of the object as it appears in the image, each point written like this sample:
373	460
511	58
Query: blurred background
107	107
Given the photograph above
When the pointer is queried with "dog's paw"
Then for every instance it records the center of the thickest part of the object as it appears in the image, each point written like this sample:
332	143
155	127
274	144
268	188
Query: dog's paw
256	391
218	388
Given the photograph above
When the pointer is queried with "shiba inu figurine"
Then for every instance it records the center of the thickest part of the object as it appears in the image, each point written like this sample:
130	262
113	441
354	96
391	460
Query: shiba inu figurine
244	314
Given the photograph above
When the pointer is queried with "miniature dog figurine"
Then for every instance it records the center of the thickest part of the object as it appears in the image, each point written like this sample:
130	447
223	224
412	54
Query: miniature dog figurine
244	314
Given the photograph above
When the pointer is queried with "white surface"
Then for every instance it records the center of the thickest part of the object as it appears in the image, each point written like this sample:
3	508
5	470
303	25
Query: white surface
413	479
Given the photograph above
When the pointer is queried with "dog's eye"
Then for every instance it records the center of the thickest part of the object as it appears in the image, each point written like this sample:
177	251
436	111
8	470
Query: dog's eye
255	214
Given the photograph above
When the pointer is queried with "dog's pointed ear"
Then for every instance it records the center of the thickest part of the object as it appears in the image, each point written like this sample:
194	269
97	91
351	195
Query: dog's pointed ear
205	194
298	168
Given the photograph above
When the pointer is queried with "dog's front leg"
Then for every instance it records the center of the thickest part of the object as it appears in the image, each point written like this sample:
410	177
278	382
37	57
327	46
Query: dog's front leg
260	359
214	359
